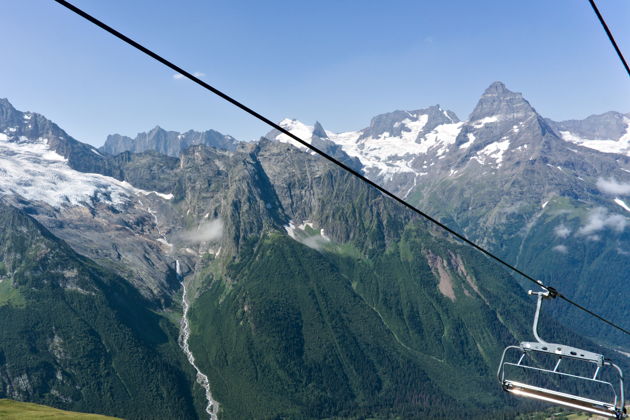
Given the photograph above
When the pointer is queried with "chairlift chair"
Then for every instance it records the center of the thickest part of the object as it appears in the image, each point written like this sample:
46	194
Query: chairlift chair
527	350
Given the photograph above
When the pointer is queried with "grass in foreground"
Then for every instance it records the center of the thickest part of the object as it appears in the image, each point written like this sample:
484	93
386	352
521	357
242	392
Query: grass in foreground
10	409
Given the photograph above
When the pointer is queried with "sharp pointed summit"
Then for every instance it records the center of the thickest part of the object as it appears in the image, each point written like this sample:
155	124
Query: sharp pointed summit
156	129
319	131
498	101
4	103
497	88
8	114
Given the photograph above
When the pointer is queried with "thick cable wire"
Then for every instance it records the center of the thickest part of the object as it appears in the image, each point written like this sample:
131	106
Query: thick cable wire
553	291
610	36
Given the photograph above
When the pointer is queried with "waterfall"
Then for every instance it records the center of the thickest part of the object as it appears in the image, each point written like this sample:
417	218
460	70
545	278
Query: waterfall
184	334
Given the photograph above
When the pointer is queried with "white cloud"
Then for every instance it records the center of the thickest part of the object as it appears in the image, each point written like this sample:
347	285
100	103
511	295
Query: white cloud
599	219
561	231
612	186
206	232
315	242
179	76
561	249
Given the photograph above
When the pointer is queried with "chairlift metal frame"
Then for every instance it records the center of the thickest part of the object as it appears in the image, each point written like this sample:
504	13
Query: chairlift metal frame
613	409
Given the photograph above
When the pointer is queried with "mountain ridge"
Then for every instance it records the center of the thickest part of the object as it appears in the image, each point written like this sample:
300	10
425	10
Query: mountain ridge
170	143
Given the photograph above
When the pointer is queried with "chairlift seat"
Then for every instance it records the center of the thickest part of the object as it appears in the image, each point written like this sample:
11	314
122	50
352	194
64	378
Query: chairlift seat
585	404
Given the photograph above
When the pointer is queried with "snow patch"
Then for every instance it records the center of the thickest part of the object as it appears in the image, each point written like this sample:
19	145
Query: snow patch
487	120
290	228
493	151
384	154
390	155
297	128
471	140
314	240
521	148
168	196
622	204
619	146
32	170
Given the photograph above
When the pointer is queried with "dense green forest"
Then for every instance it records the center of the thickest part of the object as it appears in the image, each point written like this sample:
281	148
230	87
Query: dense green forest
76	336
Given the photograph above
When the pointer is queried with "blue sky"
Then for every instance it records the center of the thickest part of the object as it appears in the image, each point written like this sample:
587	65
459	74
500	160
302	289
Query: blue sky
340	62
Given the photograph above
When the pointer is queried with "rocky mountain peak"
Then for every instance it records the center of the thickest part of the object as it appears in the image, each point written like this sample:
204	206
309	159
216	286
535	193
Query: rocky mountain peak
9	116
156	131
436	115
393	124
497	88
319	131
500	102
4	103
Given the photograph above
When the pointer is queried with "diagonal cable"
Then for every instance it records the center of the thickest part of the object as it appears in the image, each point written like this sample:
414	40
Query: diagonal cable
552	291
610	36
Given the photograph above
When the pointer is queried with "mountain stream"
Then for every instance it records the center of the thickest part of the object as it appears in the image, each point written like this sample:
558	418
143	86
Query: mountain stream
184	334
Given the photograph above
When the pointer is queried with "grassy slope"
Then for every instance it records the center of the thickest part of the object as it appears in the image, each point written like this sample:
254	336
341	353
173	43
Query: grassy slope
10	409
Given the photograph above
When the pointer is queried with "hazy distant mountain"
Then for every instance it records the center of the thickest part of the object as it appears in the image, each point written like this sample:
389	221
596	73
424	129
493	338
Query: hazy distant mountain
170	143
608	132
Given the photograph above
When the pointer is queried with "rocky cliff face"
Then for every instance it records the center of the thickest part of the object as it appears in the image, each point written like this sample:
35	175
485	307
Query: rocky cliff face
170	143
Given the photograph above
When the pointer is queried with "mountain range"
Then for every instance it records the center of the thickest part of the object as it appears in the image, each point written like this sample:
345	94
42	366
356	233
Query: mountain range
550	197
179	278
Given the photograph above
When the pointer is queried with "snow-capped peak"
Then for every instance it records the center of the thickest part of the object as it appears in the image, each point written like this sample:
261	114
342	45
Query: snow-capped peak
297	128
391	142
